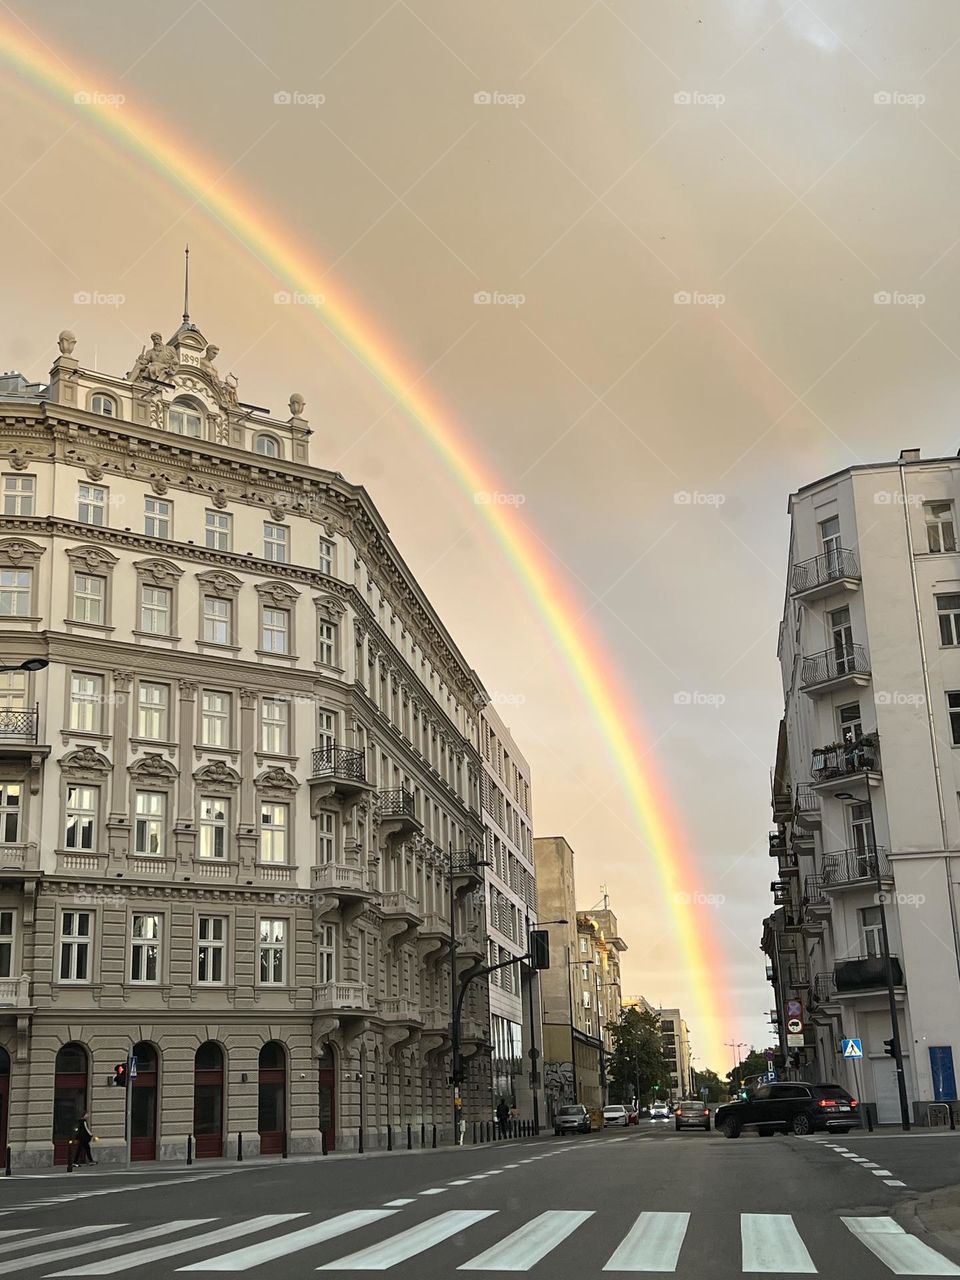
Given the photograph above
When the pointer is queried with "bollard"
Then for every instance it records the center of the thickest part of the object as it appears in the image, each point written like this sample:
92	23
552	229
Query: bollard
474	1133
490	1134
8	1167
423	1134
869	1118
69	1157
285	1149
360	1143
409	1138
434	1135
481	1130
240	1146
953	1120
323	1142
189	1148
389	1137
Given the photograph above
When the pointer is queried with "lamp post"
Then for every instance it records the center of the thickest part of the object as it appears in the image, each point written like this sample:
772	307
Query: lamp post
29	664
736	1046
573	1047
885	951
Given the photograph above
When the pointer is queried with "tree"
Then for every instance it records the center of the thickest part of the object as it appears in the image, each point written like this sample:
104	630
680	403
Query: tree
710	1081
753	1065
637	1063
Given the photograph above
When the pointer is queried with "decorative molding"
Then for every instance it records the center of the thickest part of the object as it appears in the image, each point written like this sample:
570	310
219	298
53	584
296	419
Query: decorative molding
85	761
159	573
281	594
16	552
90	559
329	608
217	774
276	780
154	766
222	584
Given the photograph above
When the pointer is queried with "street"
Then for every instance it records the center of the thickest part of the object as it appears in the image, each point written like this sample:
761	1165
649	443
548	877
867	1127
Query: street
639	1200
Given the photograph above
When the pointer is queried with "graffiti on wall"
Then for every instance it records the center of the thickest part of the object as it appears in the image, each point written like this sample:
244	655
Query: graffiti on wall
558	1077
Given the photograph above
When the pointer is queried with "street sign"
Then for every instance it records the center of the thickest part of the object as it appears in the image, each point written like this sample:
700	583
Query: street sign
770	1077
851	1048
769	1055
704	1093
794	1026
795	1041
794	1009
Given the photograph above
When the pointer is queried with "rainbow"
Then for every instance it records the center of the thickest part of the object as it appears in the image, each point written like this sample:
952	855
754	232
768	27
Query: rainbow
168	155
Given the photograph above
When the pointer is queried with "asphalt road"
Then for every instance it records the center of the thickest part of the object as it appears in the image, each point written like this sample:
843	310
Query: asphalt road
651	1200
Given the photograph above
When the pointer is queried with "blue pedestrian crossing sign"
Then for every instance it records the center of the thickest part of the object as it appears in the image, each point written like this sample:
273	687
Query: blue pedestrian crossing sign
851	1048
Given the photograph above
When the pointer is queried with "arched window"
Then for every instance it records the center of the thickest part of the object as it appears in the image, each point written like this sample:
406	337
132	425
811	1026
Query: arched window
272	1057
186	419
101	403
268	446
143	1103
69	1097
208	1100
209	1057
271	1109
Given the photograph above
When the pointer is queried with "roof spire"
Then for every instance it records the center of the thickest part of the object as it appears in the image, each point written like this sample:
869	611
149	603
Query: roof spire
186	284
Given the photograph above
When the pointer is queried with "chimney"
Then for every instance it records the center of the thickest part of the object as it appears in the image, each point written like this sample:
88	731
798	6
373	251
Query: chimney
909	455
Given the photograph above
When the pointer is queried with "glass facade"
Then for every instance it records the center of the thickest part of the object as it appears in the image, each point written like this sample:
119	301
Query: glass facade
507	1058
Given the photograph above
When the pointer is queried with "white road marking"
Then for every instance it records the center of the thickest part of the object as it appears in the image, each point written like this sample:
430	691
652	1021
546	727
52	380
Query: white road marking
280	1246
434	1191
411	1242
522	1249
618	1139
903	1254
457	1182
397	1204
157	1252
132	1237
18	1231
652	1244
881	1173
12	1245
894	1182
860	1159
772	1243
869	1164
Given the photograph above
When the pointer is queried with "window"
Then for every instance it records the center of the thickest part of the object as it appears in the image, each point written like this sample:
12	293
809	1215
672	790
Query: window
76	931
145	949
11	793
157	517
275	726
328	556
870	930
268	447
105	405
586	999
218	526
215	718
86	699
81	825
185	421
92	504
217	617
941	531
584	946
153	711
18	495
273	952
155	609
148	827
327	643
327	953
274	820
953	706
851	726
211	949
948	610
862	839
214	823
13	690
275	631
15	592
7	939
89	598
276	538
326	837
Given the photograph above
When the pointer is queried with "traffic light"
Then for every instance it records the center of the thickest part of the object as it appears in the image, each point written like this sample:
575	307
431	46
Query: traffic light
888	1048
539	949
120	1074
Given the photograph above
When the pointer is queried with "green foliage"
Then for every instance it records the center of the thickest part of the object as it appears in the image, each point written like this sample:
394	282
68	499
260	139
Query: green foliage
716	1087
637	1062
752	1065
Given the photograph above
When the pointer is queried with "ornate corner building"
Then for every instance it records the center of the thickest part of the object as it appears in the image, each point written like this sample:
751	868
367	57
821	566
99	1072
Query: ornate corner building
240	804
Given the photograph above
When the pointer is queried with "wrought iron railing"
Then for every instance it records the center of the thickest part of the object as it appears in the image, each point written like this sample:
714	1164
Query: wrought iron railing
841	760
397	802
778	843
339	762
829	567
847	866
848	660
781	892
797	977
824	988
19	725
866	972
813	891
466	862
807	802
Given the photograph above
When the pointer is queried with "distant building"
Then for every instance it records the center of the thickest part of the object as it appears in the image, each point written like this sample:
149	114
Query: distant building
676	1050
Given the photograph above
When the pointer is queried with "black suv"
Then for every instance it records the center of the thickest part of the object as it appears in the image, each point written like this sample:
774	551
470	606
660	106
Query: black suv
790	1108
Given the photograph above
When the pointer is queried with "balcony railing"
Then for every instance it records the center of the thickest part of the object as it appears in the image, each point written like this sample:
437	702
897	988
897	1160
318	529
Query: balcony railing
842	759
850	865
778	843
781	892
824	988
18	726
834	664
339	762
813	891
865	973
832	566
467	862
797	977
807	803
397	803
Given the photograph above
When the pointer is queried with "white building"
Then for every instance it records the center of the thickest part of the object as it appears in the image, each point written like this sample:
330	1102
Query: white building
867	777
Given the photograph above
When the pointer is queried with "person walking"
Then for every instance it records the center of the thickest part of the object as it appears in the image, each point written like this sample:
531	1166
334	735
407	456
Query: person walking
503	1117
84	1138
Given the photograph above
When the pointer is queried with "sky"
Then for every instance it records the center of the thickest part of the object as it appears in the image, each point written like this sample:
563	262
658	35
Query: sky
661	263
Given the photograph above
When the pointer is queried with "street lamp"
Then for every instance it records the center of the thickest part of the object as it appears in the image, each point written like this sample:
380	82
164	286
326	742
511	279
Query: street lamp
29	664
885	949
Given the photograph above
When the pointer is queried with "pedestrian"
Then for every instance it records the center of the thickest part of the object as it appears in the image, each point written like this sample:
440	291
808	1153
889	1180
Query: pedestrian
503	1117
84	1138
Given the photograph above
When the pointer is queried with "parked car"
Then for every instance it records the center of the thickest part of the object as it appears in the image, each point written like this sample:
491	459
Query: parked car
574	1118
615	1114
660	1111
692	1115
790	1108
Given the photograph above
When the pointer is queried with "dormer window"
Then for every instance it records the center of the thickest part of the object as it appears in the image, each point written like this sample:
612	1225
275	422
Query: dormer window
105	405
268	446
186	420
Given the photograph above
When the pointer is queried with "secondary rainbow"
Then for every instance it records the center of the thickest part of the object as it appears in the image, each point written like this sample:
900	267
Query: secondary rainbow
172	159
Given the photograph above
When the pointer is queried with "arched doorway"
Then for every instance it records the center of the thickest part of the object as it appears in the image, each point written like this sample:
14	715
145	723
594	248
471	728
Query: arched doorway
143	1104
272	1101
69	1097
208	1100
328	1098
4	1096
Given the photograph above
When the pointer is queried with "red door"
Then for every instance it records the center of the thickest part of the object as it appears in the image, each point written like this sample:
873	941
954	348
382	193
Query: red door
143	1104
271	1110
328	1099
208	1100
69	1098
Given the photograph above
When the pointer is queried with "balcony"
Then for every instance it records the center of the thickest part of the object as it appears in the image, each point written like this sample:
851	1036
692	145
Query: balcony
797	977
865	973
399	1010
342	997
340	885
15	992
807	809
781	802
854	866
401	916
781	892
787	863
397	812
18	726
844	760
467	866
778	843
338	771
834	669
816	903
826	574
433	936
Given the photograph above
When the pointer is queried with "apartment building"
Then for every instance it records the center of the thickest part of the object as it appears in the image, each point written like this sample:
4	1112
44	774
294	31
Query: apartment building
866	781
676	1052
240	803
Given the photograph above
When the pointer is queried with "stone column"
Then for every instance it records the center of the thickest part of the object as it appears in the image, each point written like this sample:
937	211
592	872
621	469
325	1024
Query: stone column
247	837
185	831
118	820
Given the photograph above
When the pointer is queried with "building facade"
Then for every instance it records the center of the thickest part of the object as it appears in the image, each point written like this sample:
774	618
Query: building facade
676	1051
511	912
241	802
866	782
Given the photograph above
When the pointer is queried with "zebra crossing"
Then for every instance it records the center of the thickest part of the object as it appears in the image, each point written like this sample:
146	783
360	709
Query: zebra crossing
656	1241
